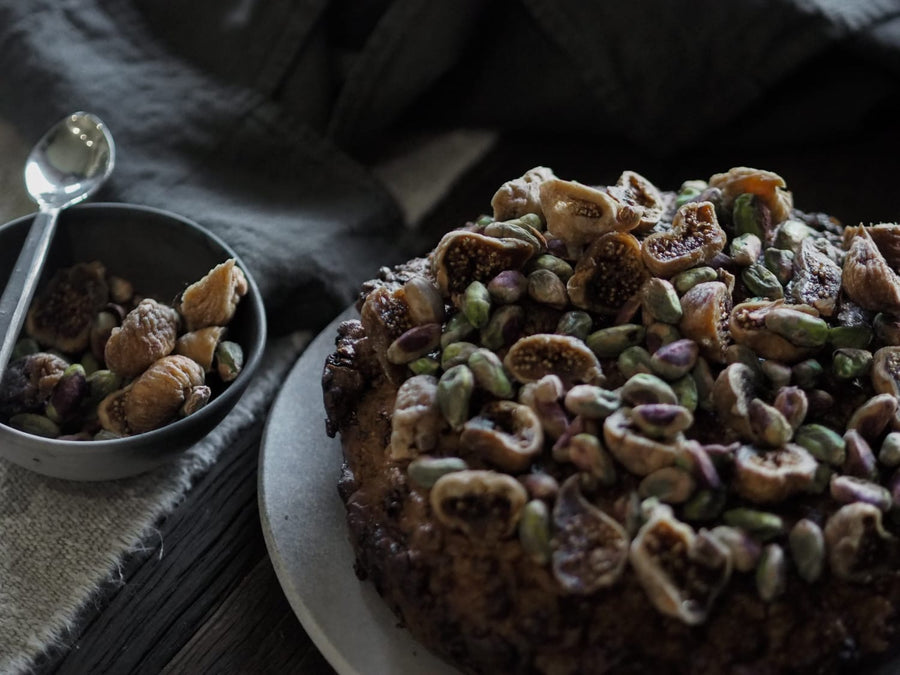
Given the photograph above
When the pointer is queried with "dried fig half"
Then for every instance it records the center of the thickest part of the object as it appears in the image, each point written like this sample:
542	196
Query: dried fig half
695	238
462	257
485	505
633	190
507	434
578	213
747	324
535	356
609	274
521	195
817	278
706	309
769	186
868	278
590	548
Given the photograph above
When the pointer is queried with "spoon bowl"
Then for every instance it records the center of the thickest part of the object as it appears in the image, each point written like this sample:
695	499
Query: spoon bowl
70	163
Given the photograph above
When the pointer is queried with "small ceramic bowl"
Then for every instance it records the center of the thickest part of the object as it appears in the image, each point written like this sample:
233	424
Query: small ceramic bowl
160	253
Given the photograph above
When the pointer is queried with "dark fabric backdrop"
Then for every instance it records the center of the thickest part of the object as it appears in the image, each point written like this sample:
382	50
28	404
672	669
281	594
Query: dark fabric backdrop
258	118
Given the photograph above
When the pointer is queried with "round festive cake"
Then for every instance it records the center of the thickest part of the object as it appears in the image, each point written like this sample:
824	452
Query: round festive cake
614	429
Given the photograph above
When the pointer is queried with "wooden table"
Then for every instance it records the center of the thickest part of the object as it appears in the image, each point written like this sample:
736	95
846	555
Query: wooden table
202	596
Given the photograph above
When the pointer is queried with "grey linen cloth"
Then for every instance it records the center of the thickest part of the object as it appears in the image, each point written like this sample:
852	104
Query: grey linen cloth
261	119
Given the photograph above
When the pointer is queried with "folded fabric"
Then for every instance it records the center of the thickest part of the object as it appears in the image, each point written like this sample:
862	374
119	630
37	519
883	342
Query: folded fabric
257	118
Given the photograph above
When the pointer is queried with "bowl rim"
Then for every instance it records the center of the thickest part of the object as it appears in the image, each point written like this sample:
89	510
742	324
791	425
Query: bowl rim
234	390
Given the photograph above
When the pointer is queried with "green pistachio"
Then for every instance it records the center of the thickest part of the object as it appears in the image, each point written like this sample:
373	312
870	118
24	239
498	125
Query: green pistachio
634	360
548	289
425	470
534	531
647	388
686	280
660	302
575	323
475	303
807	373
504	327
690	190
612	341
746	249
454	393
456	353
847	363
487	368
37	425
771	573
457	328
798	328
822	443
685	389
807	544
761	282
425	365
856	337
779	262
557	265
761	524
747	216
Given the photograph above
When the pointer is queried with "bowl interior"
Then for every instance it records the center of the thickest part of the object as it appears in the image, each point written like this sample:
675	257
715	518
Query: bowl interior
160	253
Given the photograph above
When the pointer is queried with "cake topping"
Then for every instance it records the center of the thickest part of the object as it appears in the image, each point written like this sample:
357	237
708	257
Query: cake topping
685	385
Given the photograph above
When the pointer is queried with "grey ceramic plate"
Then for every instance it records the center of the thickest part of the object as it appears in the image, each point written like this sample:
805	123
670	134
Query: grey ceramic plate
306	534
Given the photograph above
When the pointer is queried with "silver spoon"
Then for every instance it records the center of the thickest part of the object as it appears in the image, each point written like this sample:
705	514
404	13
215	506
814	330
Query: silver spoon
71	161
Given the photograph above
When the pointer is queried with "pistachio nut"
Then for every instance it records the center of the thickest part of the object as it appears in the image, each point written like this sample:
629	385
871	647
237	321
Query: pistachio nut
659	301
686	280
456	353
647	388
575	323
704	505
520	229
747	324
745	550
771	573
487	368
555	264
793	404
751	216
612	341
847	363
507	434
662	421
540	485
779	262
799	328
791	234
704	382
507	287
504	327
669	484
633	360
761	282
769	426
101	383
425	470
659	334
586	452
485	505
534	531
825	444
35	424
685	389
547	288
778	373
807	545
746	249
229	360
761	524
424	365
856	337
412	344
734	388
68	395
681	571
860	461
886	327
194	400
808	373
454	392
675	360
689	191
475	304
849	489
889	453
695	458
591	401
590	548
456	329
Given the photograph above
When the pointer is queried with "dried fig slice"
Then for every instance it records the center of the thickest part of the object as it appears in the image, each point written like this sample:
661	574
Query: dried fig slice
609	274
868	278
531	358
765	476
734	389
62	314
769	186
638	454
485	505
886	371
817	278
706	309
747	324
590	548
856	542
507	434
578	213
633	190
695	238
521	195
462	257
681	571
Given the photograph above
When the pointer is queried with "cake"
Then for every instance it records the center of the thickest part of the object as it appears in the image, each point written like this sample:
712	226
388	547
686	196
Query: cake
617	429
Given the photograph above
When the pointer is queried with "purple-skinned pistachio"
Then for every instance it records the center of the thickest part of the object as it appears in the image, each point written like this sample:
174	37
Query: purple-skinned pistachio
675	359
415	342
507	287
849	489
793	404
860	461
873	416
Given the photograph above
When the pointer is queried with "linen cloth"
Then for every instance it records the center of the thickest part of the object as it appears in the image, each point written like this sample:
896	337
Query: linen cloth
280	125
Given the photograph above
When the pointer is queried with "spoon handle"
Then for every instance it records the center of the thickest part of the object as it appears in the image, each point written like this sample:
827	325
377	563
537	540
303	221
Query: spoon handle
23	281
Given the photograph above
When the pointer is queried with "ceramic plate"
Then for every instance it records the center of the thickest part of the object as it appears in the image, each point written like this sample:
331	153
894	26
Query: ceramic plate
306	534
